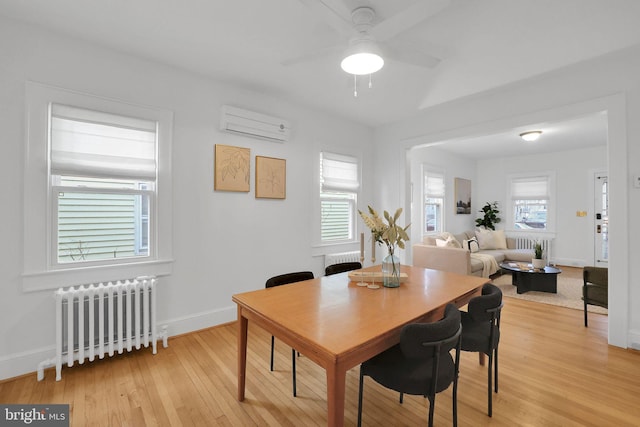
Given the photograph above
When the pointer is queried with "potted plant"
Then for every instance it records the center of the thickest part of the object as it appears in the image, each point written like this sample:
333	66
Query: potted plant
490	218
537	261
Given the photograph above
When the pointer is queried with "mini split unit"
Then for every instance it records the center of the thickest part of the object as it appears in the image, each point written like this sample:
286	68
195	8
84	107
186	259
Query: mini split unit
256	125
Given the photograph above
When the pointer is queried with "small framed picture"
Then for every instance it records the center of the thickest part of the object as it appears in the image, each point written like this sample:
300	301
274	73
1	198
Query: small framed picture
271	178
463	196
232	169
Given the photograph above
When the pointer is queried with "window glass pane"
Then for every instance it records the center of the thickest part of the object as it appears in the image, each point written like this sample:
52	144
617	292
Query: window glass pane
95	226
433	214
530	214
336	217
434	191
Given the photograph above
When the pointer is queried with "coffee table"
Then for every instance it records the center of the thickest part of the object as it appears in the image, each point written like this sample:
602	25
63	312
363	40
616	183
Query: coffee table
526	278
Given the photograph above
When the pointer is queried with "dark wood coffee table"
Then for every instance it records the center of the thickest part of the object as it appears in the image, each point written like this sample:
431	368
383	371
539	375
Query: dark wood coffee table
526	278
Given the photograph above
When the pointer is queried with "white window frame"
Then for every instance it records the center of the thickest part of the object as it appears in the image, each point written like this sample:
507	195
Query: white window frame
353	201
428	170
551	201
40	272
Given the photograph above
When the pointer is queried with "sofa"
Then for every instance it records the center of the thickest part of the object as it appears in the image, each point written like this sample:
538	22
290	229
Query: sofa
475	252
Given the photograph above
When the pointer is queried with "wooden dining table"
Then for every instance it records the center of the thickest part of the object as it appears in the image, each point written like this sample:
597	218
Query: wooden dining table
338	324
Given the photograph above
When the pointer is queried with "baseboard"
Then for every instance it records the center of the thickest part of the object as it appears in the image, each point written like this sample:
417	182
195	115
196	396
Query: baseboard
17	364
634	339
569	262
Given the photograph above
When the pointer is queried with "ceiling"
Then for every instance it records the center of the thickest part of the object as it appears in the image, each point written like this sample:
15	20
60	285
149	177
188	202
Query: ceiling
482	44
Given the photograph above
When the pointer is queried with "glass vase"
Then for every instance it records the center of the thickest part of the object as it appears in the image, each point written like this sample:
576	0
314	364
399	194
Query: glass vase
391	271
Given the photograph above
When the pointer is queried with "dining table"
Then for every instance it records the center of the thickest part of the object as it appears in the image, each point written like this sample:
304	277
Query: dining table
339	323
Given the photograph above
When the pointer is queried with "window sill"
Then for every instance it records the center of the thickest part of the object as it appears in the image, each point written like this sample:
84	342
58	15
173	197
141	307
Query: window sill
54	279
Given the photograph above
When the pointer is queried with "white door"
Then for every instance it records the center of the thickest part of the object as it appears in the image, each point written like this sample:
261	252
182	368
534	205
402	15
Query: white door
601	220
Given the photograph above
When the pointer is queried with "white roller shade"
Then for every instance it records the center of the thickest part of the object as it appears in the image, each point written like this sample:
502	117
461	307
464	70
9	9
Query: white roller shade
434	185
530	188
339	173
92	143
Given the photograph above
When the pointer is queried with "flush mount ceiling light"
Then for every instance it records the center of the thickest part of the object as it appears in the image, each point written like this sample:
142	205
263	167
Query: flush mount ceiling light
531	135
362	57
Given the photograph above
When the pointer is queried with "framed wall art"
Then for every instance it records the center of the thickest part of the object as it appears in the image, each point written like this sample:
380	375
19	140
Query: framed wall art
463	196
271	178
232	168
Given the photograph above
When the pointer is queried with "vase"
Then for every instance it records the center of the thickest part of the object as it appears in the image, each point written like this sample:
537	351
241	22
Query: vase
538	263
391	271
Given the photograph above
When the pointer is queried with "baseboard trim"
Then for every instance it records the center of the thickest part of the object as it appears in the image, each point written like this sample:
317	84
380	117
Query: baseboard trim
634	339
25	363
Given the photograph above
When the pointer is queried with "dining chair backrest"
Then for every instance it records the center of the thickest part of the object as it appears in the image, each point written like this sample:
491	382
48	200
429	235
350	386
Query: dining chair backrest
287	278
342	267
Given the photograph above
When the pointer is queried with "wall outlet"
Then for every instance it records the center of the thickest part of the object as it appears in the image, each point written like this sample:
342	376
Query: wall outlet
636	181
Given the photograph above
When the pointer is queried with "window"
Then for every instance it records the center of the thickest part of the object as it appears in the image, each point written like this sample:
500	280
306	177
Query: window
530	202
103	172
434	191
97	188
339	184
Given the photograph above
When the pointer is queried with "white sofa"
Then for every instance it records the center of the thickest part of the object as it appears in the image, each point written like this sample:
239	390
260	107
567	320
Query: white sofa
459	260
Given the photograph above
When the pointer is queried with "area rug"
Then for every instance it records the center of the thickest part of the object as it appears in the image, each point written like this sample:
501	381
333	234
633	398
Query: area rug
569	293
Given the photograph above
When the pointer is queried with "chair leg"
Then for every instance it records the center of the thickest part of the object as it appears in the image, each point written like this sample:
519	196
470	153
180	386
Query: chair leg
481	358
360	399
432	404
401	397
272	342
489	388
454	402
495	367
293	371
585	315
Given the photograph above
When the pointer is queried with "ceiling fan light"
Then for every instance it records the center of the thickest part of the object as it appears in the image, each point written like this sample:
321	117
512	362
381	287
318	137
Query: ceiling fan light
531	135
362	63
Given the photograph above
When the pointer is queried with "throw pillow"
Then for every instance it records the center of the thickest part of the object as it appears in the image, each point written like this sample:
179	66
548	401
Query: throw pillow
453	242
471	244
449	243
490	239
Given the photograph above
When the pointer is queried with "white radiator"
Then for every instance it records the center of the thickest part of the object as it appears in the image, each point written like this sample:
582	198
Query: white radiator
101	319
528	242
331	259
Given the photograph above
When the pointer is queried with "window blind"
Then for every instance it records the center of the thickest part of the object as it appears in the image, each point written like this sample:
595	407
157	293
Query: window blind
339	173
96	144
434	185
530	188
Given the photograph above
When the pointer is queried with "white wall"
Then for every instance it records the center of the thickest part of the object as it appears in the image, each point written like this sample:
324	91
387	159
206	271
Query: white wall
573	171
224	243
608	84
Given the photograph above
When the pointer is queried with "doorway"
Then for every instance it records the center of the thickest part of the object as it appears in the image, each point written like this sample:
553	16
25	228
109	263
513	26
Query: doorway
601	220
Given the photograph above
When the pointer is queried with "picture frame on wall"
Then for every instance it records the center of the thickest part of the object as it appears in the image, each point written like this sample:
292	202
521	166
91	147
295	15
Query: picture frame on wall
232	169
271	178
463	196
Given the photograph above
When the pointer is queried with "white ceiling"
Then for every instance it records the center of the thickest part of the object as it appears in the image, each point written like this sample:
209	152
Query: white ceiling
483	44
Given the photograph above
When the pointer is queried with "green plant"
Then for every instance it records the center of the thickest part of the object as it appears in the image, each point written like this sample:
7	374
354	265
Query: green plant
389	234
490	218
537	250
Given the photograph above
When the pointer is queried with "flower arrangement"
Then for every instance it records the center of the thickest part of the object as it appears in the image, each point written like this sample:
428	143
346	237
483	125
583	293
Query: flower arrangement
390	233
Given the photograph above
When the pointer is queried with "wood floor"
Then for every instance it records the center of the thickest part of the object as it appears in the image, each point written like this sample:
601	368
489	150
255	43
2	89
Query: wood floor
553	372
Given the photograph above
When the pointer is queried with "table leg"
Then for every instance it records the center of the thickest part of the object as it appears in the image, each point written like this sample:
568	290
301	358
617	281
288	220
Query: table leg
335	396
243	324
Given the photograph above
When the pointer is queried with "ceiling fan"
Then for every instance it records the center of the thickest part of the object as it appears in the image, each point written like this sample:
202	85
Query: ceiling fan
370	40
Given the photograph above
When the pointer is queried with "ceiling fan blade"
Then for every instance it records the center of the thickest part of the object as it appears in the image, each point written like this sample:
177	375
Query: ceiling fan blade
334	13
408	18
411	55
313	55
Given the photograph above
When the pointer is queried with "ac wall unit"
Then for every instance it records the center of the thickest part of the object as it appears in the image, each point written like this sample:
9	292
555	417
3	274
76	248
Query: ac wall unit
249	123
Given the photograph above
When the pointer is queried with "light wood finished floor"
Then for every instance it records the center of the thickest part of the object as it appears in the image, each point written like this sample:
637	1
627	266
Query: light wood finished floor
553	372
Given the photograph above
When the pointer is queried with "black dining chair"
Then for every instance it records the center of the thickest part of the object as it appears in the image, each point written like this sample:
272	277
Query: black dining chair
595	290
285	279
481	331
341	268
421	364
